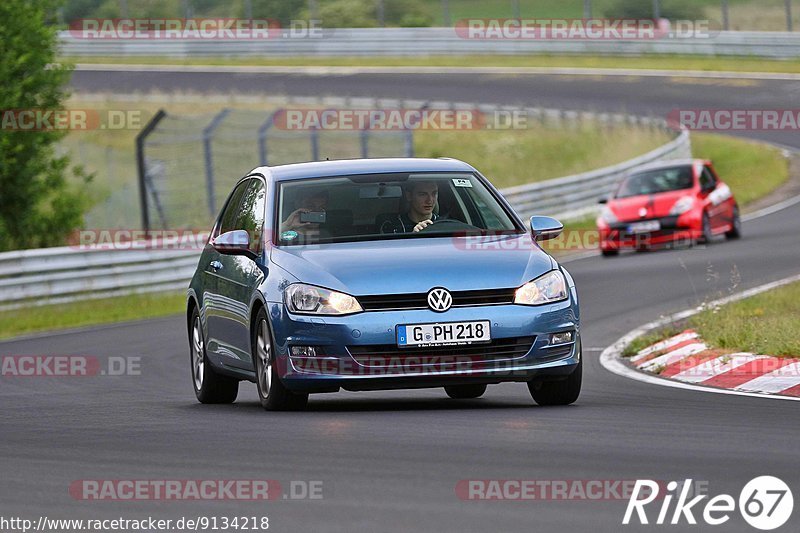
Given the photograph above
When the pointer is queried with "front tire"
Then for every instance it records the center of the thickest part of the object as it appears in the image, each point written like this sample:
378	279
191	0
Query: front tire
609	253
562	392
736	231
272	393
465	392
707	235
209	386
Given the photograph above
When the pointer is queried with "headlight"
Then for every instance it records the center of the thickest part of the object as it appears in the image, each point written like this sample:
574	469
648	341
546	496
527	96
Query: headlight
549	288
682	205
608	215
310	300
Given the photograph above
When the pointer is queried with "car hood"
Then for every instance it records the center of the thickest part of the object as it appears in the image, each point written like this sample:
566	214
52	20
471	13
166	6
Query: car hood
655	205
416	265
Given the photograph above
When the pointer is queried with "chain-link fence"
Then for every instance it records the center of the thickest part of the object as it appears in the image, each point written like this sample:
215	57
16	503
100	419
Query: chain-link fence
191	162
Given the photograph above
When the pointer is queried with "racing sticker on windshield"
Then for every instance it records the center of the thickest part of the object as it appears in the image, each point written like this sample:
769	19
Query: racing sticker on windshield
461	182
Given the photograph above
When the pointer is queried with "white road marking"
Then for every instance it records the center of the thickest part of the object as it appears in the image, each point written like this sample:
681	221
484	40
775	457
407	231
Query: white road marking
772	209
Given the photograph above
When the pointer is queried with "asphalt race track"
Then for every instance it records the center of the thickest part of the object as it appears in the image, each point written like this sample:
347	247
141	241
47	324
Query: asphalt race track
390	461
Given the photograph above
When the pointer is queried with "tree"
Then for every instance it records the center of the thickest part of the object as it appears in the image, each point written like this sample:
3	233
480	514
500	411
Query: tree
643	9
39	206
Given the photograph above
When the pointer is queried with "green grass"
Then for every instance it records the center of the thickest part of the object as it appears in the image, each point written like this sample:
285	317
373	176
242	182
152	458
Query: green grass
677	63
763	324
540	152
751	169
90	312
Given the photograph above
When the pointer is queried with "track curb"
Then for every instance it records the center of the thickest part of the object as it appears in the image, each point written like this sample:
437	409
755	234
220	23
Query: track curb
611	358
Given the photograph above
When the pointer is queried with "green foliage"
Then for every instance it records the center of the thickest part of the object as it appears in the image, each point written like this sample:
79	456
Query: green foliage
364	13
643	9
407	13
348	13
38	206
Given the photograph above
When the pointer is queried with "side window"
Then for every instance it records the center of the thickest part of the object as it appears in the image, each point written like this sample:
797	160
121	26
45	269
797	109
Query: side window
231	212
251	213
707	180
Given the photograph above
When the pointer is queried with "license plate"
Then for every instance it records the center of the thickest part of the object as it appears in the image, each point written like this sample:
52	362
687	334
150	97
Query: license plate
443	334
645	227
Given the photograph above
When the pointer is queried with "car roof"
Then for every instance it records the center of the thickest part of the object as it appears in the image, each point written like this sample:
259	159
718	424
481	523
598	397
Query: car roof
667	163
345	167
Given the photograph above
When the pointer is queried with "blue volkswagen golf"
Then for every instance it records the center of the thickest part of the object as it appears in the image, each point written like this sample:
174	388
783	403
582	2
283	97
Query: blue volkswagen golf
379	274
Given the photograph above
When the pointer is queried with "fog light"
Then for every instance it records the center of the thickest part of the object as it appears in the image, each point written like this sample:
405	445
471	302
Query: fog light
561	338
304	351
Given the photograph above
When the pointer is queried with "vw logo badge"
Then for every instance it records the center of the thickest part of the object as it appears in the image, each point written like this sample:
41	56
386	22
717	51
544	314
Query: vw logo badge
440	300
642	212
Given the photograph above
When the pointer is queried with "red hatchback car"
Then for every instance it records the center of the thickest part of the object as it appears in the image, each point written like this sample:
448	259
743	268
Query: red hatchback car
669	202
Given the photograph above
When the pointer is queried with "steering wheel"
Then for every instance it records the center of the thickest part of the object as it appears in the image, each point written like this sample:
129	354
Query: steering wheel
448	224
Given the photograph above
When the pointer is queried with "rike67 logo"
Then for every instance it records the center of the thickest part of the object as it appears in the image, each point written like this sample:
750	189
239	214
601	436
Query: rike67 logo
765	503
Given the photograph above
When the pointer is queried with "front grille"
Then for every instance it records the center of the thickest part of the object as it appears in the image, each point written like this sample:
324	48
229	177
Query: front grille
386	302
667	223
497	349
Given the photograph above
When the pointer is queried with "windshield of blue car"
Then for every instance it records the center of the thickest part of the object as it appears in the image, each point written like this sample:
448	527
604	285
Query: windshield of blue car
656	181
387	206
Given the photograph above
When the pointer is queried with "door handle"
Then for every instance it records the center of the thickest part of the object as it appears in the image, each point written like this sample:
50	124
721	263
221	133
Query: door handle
215	265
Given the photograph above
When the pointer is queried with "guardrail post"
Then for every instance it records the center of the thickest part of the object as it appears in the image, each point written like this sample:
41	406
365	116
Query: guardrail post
262	137
207	133
363	137
587	9
725	16
409	142
140	164
314	138
381	14
789	22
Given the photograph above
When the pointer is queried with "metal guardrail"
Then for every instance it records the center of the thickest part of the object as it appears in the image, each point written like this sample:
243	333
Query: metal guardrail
56	275
63	274
436	41
573	196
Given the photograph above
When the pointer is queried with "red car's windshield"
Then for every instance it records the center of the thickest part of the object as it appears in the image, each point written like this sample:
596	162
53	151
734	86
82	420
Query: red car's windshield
656	181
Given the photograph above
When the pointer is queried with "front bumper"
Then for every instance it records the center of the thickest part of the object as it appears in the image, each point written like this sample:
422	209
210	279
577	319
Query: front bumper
674	230
343	341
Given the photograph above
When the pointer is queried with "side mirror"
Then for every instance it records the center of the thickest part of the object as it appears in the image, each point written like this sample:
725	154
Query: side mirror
545	228
236	242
